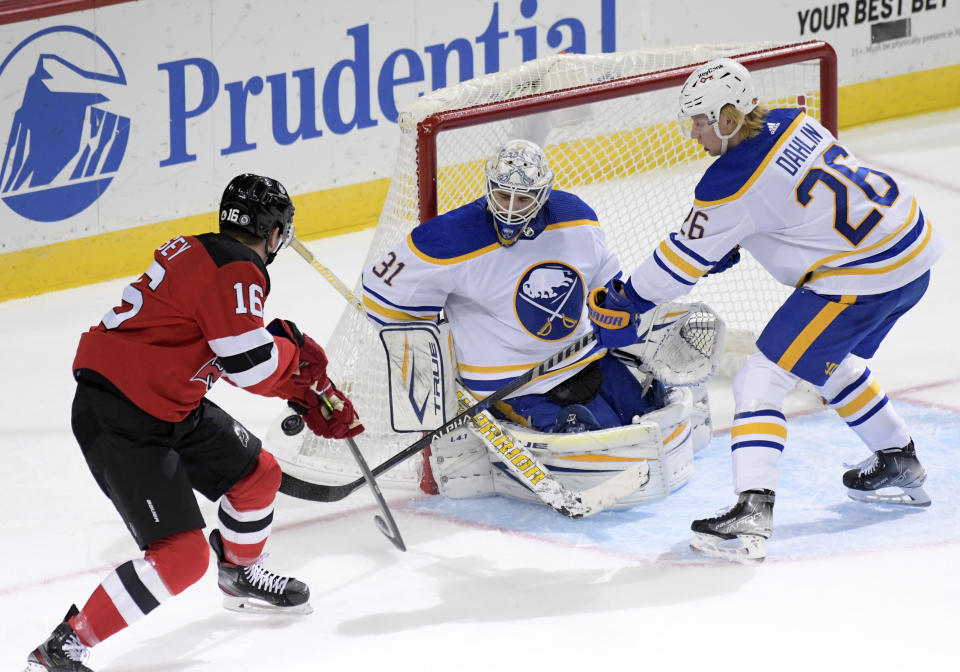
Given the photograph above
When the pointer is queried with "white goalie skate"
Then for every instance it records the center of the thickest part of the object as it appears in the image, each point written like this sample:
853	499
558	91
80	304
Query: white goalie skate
740	533
890	476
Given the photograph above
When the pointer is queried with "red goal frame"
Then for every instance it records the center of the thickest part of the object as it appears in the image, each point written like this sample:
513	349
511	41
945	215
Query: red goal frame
432	126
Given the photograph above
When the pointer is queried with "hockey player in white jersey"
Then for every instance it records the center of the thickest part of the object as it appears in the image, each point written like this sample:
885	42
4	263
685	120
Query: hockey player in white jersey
851	240
511	272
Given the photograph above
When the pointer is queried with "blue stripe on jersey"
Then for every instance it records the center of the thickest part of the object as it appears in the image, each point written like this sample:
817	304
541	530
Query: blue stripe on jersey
656	258
897	249
730	172
690	253
485	385
754	414
851	387
382	299
382	323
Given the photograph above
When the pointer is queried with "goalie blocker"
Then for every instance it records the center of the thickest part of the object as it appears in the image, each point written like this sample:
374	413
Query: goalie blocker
423	396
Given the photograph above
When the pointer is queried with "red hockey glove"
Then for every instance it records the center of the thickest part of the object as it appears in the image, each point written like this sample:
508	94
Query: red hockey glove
313	360
331	418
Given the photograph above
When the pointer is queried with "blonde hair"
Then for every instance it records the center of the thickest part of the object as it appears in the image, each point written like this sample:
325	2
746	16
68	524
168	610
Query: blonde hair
752	122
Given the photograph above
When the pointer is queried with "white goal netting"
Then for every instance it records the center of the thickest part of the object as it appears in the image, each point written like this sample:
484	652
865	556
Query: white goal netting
620	150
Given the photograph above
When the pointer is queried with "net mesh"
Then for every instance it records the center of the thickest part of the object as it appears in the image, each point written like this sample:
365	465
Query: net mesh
624	156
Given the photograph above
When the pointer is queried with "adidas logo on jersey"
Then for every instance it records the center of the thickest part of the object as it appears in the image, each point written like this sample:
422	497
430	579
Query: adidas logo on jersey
772	127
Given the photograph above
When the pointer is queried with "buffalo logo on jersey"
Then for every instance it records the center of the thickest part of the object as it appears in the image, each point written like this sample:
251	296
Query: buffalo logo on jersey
549	300
64	109
209	373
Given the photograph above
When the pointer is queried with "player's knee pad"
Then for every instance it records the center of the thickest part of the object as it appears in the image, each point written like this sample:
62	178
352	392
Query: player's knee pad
258	488
760	383
180	559
849	371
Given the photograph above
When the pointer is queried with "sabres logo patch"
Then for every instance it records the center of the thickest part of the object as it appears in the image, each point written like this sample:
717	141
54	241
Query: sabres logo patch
549	300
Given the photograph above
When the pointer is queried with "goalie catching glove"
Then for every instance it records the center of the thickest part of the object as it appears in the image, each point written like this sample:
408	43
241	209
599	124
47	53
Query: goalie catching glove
613	311
330	415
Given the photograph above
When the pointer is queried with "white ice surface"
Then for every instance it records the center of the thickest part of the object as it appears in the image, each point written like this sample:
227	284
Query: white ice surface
495	584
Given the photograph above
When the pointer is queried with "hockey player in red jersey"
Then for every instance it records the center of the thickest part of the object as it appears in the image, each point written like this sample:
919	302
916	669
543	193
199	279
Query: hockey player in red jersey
150	437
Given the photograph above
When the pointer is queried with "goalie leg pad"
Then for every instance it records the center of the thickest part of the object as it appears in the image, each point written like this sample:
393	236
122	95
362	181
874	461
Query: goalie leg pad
461	466
663	439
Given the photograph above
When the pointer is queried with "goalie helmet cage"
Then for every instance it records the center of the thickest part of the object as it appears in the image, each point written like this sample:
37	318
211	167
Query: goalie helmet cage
608	125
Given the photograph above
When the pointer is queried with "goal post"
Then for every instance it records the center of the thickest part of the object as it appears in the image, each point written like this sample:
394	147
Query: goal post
607	123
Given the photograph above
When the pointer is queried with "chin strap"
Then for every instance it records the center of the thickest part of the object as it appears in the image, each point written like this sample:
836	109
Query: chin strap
724	139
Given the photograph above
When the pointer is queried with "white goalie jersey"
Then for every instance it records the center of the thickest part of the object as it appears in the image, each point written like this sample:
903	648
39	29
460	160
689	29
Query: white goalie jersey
509	308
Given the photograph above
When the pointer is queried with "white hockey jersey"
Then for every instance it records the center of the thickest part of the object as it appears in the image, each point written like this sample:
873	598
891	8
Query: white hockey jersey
509	308
802	205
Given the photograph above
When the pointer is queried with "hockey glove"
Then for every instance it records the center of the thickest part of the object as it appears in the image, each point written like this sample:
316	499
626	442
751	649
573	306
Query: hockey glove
330	415
313	360
730	259
613	311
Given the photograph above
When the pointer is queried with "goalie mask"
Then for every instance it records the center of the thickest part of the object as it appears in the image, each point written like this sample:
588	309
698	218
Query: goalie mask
258	205
519	180
708	89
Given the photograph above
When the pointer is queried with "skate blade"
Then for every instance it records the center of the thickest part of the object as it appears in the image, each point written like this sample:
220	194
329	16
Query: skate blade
895	496
248	606
745	549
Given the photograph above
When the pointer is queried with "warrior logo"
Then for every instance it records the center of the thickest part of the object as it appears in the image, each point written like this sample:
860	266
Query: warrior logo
65	142
549	301
209	373
241	433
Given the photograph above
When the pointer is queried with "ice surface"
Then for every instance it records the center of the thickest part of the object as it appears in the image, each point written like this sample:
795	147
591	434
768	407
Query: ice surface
496	584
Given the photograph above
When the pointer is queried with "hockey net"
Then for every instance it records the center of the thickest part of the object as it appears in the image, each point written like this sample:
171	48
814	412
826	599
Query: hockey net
608	125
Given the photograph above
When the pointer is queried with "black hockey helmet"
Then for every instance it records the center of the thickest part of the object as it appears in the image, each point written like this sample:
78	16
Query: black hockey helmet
257	205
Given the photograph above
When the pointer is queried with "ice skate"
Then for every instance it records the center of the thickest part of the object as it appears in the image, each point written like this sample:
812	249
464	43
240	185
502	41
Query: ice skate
63	651
255	589
740	533
890	476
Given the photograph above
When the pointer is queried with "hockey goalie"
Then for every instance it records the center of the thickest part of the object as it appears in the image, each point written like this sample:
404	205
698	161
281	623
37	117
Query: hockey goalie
479	295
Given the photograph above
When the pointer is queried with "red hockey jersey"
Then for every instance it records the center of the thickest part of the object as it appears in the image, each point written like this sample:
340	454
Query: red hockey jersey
194	316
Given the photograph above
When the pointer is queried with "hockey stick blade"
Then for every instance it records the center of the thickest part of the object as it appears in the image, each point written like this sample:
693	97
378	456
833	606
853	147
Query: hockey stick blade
599	497
386	524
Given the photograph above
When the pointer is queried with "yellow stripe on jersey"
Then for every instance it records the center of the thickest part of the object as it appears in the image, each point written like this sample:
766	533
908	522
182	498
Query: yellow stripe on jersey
759	171
810	274
680	262
573	222
577	364
475	368
873	391
771	428
878	270
812	331
452	260
393	313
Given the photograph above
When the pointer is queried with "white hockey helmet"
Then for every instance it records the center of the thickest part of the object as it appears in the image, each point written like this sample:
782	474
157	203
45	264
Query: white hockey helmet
719	82
518	182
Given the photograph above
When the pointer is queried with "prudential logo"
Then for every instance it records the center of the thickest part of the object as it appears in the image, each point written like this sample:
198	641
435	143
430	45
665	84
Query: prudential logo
66	139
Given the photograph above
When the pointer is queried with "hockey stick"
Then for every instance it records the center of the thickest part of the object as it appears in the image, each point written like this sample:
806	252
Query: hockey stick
389	526
561	499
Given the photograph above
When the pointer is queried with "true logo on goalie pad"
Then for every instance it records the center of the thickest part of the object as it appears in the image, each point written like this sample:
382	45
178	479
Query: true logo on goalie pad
549	300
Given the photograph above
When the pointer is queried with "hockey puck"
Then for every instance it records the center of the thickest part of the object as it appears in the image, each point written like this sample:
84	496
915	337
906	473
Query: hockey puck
292	425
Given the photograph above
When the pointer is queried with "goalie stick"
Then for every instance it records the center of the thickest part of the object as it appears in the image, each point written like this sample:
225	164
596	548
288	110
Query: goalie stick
553	493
